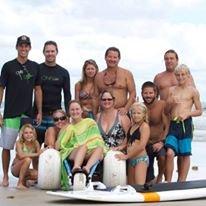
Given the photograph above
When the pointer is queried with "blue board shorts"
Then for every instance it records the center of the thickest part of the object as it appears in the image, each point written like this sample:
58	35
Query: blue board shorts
179	137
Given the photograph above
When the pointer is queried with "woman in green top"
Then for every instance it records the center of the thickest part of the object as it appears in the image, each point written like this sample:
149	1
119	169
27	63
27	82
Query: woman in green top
79	141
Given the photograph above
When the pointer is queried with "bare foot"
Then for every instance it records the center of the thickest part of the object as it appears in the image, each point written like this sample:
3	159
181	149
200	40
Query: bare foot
21	187
31	183
5	182
86	170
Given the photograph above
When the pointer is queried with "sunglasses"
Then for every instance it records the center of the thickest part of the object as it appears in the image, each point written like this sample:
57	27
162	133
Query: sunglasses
107	99
56	119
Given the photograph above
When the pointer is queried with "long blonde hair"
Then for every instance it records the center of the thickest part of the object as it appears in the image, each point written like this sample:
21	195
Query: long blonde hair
21	137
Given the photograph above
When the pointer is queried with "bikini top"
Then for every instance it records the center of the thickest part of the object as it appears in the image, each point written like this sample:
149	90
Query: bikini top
115	135
83	95
134	136
28	150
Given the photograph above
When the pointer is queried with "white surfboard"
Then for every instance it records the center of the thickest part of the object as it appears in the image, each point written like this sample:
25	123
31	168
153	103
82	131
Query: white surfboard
114	170
49	170
158	193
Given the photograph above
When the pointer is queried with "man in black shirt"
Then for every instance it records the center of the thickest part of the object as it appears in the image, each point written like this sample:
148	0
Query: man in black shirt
54	80
19	78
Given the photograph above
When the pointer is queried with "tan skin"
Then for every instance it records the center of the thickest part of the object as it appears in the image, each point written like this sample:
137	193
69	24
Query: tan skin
180	102
52	132
23	52
50	53
158	123
137	174
167	79
109	113
78	155
122	84
90	73
21	164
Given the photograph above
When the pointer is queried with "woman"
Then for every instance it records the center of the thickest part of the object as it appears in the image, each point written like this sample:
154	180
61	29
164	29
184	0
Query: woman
60	121
84	89
113	126
80	141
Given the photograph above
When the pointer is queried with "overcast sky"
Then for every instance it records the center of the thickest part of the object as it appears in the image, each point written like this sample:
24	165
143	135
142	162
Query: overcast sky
84	29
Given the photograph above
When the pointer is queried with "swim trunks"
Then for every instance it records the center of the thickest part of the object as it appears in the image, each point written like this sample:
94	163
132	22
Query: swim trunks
179	137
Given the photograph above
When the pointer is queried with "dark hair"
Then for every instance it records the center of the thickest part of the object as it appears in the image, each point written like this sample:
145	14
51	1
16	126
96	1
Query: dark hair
106	91
50	43
152	85
74	101
83	81
115	49
172	51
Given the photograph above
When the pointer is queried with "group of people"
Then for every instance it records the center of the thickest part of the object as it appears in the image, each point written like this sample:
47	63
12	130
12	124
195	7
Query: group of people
104	115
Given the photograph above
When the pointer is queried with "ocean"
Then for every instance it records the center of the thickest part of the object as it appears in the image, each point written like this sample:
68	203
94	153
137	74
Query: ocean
198	163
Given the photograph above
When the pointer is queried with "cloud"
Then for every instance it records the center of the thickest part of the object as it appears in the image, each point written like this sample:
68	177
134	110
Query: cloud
143	30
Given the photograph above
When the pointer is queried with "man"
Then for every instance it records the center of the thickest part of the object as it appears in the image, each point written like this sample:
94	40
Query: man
116	79
54	79
167	79
19	77
158	130
180	102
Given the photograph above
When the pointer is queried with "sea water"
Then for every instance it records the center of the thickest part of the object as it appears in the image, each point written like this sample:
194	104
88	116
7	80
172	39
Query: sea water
198	161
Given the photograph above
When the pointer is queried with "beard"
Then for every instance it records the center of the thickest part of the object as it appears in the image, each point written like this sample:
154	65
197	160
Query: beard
150	102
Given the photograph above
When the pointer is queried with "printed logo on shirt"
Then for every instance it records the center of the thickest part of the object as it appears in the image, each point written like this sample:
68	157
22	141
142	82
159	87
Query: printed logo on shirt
24	74
49	78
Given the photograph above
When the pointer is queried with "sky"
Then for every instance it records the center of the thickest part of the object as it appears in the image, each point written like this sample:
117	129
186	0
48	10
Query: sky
84	29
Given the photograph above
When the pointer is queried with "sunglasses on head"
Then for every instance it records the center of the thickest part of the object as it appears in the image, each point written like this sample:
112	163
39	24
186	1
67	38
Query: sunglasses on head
106	99
56	119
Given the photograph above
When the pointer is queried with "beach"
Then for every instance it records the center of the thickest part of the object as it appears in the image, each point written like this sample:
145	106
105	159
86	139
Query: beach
34	196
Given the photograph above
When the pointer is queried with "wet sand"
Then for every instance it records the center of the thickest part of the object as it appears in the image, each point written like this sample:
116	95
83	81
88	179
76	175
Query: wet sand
10	196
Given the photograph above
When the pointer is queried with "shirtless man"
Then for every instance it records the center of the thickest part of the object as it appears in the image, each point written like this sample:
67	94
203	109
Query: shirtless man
180	101
167	79
158	126
116	79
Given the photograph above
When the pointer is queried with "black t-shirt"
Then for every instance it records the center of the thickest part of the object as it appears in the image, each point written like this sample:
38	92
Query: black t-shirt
54	80
19	81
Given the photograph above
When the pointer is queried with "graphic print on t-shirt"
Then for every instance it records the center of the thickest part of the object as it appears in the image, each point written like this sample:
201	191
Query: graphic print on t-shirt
24	74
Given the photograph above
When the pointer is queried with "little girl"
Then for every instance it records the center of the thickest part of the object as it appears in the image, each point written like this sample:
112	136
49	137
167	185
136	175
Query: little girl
27	149
137	138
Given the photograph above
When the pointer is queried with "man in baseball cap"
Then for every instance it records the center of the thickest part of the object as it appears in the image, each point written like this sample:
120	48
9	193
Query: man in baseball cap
23	40
21	80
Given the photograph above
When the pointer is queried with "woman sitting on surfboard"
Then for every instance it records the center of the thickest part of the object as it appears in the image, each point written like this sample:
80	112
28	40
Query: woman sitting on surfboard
137	138
60	121
81	140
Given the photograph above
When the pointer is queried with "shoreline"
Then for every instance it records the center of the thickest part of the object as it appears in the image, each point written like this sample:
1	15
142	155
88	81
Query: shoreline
11	196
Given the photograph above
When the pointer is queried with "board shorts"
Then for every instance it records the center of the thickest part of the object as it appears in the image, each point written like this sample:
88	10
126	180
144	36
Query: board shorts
179	137
151	154
137	160
10	130
47	121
